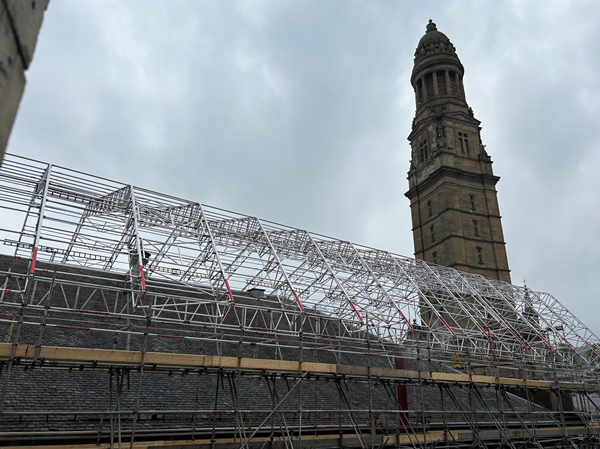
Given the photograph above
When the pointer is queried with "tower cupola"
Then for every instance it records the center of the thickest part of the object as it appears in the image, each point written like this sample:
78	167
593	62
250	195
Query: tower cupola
437	72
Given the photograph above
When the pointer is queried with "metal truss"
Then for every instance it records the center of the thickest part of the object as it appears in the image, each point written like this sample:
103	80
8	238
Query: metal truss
208	254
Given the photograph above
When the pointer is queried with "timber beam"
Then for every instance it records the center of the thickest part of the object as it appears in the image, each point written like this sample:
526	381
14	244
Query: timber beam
112	357
317	441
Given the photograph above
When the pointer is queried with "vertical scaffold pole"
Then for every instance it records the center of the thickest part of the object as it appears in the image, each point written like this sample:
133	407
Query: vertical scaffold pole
138	245
28	280
38	228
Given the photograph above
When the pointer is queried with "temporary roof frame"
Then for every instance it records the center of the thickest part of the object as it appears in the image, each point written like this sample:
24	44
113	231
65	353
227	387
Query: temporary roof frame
76	219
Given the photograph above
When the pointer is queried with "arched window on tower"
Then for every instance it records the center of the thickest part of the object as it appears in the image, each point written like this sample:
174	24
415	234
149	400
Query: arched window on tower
423	150
472	201
479	255
429	85
463	143
453	80
441	79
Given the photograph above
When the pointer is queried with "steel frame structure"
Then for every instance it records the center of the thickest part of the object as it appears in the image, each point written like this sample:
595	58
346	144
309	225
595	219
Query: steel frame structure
77	219
188	264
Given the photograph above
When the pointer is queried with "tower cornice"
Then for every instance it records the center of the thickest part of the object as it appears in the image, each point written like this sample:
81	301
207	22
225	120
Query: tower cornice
454	172
432	117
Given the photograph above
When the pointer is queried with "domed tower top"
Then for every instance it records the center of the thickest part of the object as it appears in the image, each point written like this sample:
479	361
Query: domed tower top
437	71
435	43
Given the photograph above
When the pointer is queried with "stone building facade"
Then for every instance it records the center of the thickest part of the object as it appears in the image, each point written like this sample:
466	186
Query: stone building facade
20	23
452	189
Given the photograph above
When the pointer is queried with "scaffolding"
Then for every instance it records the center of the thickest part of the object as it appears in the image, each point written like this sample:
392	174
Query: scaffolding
110	292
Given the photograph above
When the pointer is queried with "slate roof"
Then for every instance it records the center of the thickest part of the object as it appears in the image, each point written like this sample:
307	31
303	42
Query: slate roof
163	394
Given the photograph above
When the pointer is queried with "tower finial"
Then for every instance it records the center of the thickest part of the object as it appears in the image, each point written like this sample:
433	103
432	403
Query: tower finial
431	26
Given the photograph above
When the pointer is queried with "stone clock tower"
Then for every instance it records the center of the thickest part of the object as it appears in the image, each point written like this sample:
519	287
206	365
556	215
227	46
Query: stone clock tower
452	189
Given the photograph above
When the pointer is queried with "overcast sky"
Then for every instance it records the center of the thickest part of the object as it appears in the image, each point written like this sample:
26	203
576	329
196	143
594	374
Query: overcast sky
298	112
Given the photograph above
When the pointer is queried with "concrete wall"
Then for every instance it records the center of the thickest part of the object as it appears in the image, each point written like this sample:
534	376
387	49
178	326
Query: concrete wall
20	22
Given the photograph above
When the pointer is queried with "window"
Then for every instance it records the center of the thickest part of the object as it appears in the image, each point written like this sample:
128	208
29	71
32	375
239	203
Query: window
475	228
472	201
463	143
441	79
434	256
453	80
423	151
479	255
429	85
432	233
429	211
